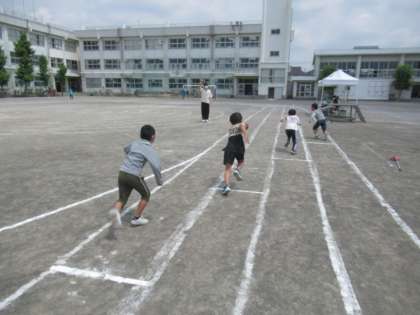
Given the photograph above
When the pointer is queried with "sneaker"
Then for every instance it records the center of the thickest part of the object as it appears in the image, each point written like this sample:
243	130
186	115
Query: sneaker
316	136
226	190
203	120
237	174
116	216
139	221
293	152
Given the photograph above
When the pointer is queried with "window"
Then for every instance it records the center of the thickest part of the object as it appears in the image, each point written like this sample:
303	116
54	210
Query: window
35	60
93	83
13	58
177	83
90	45
177	63
14	34
112	83
225	42
112	64
37	39
134	83
224	84
224	63
250	41
133	64
176	43
132	44
347	66
55	62
92	64
200	42
246	63
275	31
273	76
154	43
154	64
56	43
200	63
70	45
155	83
39	83
197	81
274	53
72	65
305	90
111	45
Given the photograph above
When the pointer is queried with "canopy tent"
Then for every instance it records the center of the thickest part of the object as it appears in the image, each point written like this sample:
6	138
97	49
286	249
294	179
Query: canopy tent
337	78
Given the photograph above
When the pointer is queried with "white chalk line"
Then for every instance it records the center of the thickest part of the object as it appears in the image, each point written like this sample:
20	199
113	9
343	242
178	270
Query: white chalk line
291	159
323	143
247	272
91	274
161	261
394	214
241	191
63	259
351	304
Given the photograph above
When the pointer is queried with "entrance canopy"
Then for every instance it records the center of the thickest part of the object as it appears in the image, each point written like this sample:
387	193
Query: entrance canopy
338	77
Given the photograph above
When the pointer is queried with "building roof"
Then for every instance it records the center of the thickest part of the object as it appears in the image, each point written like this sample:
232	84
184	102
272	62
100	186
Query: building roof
367	50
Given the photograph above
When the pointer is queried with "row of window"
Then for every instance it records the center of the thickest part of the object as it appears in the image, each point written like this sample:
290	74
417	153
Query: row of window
37	39
173	43
55	62
136	83
174	64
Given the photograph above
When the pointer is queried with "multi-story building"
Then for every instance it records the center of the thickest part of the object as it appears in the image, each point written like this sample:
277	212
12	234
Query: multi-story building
57	44
241	59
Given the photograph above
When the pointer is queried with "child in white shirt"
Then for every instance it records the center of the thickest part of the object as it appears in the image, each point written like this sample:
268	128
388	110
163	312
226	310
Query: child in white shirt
292	123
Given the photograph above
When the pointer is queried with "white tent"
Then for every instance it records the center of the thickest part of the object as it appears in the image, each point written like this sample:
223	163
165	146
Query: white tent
336	78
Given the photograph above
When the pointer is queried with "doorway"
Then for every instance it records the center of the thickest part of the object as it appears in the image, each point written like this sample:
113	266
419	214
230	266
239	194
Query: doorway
271	92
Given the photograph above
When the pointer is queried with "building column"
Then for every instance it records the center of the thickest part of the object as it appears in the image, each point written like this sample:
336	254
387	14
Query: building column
358	66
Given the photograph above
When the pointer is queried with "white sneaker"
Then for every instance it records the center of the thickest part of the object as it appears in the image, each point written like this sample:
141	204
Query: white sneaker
237	174
139	221
116	216
226	190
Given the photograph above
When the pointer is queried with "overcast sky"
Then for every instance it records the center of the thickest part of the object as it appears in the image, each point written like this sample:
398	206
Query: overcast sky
318	24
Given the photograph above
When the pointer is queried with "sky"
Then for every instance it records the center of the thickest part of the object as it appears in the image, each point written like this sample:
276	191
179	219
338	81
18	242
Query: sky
317	24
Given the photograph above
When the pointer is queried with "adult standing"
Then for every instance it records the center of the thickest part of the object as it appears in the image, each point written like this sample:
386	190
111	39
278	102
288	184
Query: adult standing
206	97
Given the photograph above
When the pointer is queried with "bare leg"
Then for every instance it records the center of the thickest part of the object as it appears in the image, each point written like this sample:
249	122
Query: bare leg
240	165
140	208
118	205
227	173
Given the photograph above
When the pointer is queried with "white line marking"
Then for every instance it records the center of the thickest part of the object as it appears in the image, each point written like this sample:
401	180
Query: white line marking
161	261
394	214
351	304
291	159
242	191
84	273
243	292
314	142
62	260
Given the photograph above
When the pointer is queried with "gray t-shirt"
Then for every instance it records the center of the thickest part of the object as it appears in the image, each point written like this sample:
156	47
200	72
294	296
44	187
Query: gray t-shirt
138	153
318	115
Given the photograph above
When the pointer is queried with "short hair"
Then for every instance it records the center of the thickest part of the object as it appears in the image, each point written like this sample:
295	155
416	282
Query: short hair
235	118
314	106
147	132
292	112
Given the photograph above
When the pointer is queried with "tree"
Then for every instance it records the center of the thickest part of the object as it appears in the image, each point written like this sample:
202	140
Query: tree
4	75
403	75
43	70
326	71
61	76
25	70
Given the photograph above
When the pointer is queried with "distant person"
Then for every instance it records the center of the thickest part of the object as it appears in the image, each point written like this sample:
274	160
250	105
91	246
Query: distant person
234	150
206	97
71	93
138	153
320	121
292	125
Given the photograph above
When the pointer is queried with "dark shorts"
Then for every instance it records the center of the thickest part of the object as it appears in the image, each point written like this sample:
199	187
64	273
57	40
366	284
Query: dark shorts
321	123
128	182
230	156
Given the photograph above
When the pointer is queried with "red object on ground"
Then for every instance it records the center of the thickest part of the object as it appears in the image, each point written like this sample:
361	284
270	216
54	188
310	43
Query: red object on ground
395	158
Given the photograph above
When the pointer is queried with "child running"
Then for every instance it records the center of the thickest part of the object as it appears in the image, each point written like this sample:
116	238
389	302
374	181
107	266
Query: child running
319	118
292	123
138	153
235	149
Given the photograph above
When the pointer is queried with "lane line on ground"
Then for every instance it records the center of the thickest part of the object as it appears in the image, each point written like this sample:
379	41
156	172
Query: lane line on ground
351	304
242	191
63	259
314	142
393	212
291	159
132	303
247	272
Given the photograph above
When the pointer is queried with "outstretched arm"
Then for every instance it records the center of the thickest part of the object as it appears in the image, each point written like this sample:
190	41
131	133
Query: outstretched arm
244	132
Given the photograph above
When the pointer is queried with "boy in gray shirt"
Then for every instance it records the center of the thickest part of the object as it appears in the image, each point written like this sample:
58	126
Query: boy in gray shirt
320	121
138	153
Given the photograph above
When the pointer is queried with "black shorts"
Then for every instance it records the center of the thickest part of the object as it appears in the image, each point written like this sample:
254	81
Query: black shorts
128	182
230	156
321	123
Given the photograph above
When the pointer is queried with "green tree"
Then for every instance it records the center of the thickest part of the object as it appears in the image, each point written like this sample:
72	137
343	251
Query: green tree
43	70
326	71
4	75
25	70
61	76
402	78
